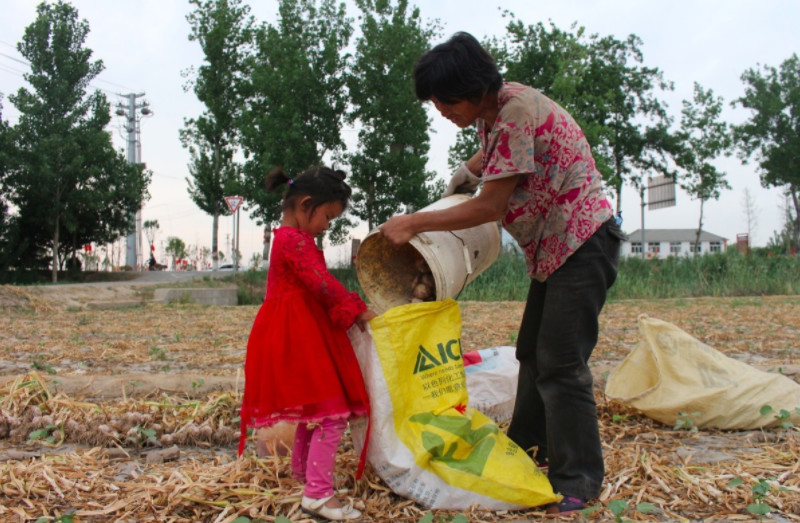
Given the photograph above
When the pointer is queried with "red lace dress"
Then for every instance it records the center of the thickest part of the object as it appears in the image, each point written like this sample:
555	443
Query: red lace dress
300	365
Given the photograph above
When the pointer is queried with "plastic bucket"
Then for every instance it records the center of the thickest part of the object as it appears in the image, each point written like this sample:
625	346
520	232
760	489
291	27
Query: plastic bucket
387	274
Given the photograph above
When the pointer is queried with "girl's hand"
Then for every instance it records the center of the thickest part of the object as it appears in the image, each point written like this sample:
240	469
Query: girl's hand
363	318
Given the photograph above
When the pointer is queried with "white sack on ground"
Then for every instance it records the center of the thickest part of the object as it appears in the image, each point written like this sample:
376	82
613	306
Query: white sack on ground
492	376
669	372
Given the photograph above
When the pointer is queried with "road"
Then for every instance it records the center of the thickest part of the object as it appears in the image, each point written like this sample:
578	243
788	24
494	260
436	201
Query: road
153	278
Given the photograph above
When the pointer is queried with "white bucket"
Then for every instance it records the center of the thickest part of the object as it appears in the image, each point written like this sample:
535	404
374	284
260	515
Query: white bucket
455	258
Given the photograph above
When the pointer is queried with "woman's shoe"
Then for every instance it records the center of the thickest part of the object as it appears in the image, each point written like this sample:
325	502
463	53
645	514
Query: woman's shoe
317	507
568	505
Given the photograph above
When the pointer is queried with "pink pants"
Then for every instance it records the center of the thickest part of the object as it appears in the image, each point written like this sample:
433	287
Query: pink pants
314	455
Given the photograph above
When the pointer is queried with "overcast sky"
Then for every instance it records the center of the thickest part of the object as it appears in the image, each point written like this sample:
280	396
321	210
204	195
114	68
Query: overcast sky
144	47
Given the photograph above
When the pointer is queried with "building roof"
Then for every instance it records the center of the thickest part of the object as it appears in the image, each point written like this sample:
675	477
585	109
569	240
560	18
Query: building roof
673	235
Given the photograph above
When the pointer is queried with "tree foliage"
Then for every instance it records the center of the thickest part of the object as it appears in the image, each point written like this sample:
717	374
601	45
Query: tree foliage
176	248
604	85
224	30
705	137
772	133
388	169
295	97
628	123
6	146
68	185
150	227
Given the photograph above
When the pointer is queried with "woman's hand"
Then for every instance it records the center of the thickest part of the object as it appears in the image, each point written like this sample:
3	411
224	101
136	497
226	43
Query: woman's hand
363	319
398	230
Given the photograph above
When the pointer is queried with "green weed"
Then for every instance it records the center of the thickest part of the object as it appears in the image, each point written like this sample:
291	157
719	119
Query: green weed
619	508
52	434
782	416
685	421
760	491
429	518
39	364
157	353
142	435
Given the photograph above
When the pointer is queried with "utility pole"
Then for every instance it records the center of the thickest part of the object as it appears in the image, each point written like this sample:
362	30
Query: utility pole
133	112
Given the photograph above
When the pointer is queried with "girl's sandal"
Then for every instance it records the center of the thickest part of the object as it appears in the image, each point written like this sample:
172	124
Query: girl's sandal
317	507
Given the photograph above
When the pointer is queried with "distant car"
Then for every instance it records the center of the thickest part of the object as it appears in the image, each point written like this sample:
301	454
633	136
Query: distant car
228	267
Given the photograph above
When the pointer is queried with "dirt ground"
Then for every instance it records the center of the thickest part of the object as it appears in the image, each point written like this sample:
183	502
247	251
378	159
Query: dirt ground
152	392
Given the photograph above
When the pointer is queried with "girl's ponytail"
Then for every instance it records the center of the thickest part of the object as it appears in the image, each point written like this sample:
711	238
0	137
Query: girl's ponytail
276	180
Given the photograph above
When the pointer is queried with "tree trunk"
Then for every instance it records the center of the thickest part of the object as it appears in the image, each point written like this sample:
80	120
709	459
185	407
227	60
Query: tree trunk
54	275
618	165
215	222
214	240
699	228
796	221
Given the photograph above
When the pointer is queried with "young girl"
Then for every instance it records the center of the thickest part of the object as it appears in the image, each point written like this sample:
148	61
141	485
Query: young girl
300	366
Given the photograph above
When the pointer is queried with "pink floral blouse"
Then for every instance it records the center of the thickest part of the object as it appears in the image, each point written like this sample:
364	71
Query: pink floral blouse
559	201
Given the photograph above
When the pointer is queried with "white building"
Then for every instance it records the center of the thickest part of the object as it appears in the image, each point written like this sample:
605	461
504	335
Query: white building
661	243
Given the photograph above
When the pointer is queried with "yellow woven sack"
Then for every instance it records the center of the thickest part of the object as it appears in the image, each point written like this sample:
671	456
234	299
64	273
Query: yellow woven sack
669	372
425	442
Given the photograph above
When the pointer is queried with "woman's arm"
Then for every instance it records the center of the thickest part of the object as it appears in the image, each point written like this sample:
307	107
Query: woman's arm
474	163
490	205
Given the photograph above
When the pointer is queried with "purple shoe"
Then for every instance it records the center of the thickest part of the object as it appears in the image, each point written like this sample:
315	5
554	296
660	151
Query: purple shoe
568	505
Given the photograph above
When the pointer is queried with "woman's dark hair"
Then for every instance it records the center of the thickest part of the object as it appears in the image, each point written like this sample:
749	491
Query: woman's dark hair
458	69
322	184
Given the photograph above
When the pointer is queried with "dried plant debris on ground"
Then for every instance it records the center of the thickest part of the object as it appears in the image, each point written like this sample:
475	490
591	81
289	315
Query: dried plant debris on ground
131	415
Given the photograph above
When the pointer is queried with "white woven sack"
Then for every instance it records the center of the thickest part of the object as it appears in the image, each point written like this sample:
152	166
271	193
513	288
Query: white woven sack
492	382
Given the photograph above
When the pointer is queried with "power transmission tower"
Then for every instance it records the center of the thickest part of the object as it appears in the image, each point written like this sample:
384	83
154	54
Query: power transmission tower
133	112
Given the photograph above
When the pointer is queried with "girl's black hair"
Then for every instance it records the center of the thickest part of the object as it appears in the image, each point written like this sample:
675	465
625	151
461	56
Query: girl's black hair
458	69
322	184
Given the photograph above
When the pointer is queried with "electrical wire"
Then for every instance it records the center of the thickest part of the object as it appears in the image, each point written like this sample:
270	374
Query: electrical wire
14	58
24	62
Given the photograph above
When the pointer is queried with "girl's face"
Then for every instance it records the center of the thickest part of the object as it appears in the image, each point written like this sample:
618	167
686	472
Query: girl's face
317	221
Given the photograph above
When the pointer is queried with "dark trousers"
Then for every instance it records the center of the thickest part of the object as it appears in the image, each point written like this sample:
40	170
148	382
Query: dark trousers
555	415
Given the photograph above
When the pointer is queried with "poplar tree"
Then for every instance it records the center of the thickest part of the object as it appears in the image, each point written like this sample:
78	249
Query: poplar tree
68	184
771	135
603	84
706	137
388	168
224	31
296	97
6	147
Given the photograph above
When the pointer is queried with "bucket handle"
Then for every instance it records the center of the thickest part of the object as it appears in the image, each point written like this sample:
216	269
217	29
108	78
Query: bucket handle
467	261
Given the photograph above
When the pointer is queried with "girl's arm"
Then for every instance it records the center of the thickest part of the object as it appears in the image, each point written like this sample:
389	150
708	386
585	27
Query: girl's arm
308	262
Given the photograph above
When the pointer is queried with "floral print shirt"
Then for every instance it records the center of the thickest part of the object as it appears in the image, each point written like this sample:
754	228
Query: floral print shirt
559	201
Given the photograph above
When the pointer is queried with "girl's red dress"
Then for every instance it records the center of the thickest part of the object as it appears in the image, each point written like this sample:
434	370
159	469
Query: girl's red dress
300	365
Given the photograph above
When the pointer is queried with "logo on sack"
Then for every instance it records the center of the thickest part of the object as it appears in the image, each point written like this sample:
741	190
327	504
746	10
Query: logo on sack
451	351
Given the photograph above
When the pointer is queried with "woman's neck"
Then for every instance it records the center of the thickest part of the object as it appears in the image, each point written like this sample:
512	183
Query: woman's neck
489	109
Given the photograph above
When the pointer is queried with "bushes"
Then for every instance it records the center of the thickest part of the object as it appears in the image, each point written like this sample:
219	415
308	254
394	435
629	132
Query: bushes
729	274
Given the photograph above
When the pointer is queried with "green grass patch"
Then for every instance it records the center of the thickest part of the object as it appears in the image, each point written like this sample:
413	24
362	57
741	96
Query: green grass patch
717	275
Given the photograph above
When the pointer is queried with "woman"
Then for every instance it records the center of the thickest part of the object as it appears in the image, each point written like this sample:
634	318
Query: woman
540	180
